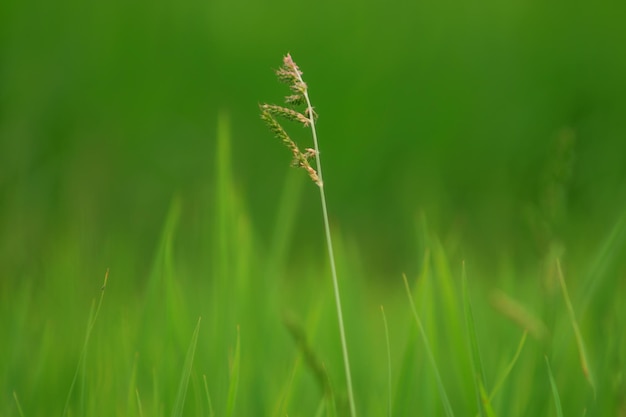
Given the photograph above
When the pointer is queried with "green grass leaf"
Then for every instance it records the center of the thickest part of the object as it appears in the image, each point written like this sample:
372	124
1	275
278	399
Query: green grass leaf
582	352
18	405
509	367
234	378
382	311
442	391
478	373
612	250
555	391
80	368
208	397
179	403
139	404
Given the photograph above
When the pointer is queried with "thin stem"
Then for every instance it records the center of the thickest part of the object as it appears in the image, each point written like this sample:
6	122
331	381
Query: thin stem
342	333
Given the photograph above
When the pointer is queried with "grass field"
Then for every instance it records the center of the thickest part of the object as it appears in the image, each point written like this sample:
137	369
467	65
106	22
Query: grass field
474	149
217	320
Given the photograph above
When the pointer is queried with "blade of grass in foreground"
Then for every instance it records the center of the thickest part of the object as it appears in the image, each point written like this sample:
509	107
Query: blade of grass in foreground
131	395
179	404
139	405
382	310
612	249
81	361
234	379
582	353
508	369
17	404
403	393
442	391
208	397
519	314
484	405
555	391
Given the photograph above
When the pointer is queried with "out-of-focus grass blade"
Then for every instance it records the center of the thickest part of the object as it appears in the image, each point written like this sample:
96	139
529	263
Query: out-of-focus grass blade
234	378
286	215
17	404
382	310
208	396
179	404
508	369
224	195
93	316
280	408
131	397
555	391
442	391
139	406
484	405
406	369
520	315
611	250
485	400
311	358
582	353
320	408
331	405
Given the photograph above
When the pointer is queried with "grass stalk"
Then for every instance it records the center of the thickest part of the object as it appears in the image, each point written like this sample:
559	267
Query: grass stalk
233	385
18	405
81	361
139	405
208	396
429	353
482	399
331	254
179	404
291	74
555	391
582	352
509	367
382	311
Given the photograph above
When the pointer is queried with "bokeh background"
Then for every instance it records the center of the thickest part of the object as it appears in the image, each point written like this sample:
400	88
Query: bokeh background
487	131
502	124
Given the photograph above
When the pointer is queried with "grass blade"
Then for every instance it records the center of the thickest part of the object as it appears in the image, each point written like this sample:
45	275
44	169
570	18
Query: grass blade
208	397
17	404
442	391
508	369
131	396
484	405
382	310
234	378
611	250
582	353
311	358
555	391
93	316
139	406
179	404
519	314
290	73
485	401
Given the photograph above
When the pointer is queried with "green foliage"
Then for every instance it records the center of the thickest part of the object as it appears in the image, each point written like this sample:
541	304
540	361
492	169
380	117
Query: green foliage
179	403
555	391
210	260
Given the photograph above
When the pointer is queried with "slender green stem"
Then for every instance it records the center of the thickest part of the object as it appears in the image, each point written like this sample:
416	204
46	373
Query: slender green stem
342	333
81	361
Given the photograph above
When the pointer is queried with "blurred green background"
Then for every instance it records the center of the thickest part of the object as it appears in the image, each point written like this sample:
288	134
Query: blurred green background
501	123
488	131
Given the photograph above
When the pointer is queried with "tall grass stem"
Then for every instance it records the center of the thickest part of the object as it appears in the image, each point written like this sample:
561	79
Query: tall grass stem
331	254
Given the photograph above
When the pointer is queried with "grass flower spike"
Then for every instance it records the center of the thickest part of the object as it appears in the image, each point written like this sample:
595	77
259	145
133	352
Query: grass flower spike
299	109
290	74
